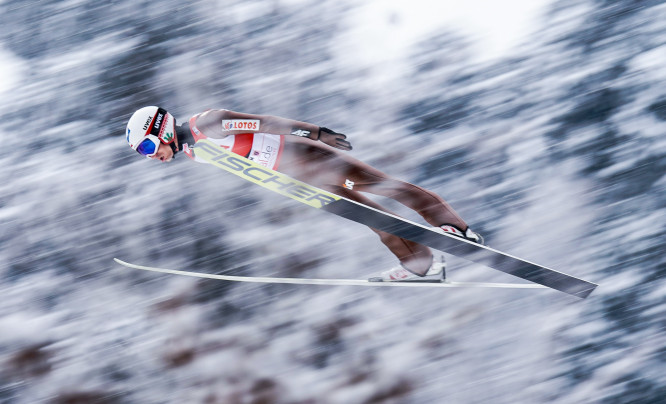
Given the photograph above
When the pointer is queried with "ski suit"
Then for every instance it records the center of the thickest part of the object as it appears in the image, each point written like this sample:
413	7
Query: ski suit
290	147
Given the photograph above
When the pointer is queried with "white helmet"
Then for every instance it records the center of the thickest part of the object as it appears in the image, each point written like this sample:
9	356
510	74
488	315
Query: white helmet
148	127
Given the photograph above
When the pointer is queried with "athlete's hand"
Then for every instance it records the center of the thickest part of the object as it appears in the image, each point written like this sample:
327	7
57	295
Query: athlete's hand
334	139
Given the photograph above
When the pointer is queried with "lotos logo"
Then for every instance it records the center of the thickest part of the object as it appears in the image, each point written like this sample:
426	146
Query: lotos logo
240	124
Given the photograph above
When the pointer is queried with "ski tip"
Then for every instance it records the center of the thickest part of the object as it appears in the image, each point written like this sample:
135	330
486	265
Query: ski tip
123	263
585	293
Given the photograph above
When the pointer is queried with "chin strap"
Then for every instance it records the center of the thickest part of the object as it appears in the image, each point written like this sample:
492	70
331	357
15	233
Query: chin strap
174	148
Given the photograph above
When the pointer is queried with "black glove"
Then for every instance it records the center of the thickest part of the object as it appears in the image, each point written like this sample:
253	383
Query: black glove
334	139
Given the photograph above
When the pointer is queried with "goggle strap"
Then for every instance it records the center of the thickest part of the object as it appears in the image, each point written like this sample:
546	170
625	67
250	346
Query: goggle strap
161	115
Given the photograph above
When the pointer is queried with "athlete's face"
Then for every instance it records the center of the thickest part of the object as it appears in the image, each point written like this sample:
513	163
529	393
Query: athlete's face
164	153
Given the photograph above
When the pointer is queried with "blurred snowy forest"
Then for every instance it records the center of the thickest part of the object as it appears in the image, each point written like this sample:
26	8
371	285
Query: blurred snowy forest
555	151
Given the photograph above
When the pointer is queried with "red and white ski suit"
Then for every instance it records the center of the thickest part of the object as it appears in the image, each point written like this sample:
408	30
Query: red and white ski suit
287	146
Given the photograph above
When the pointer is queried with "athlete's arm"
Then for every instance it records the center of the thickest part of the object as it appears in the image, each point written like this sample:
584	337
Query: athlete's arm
221	123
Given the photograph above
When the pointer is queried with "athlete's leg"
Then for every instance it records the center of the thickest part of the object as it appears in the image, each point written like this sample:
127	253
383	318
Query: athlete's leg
428	204
415	257
320	164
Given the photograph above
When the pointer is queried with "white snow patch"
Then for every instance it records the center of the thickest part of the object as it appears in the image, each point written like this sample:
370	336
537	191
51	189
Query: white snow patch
25	329
653	61
383	31
12	70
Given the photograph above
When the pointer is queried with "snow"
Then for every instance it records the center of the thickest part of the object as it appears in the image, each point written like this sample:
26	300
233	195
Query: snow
514	159
495	27
11	71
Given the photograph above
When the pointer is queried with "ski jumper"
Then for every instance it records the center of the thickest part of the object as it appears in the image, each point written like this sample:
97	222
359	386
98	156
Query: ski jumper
287	146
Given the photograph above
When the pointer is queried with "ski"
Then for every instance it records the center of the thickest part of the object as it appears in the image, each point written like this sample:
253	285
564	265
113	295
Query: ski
357	212
332	282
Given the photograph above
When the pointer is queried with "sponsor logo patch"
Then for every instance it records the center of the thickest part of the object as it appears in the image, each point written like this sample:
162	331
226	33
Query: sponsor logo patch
300	132
187	150
240	124
349	184
158	121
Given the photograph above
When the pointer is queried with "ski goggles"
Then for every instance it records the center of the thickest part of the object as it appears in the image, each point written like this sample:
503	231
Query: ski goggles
151	143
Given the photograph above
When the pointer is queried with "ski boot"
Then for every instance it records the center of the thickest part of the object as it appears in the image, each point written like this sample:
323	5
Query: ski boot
467	234
436	273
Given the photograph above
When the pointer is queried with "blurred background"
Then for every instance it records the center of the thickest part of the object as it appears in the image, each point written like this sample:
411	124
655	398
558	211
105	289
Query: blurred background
541	122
